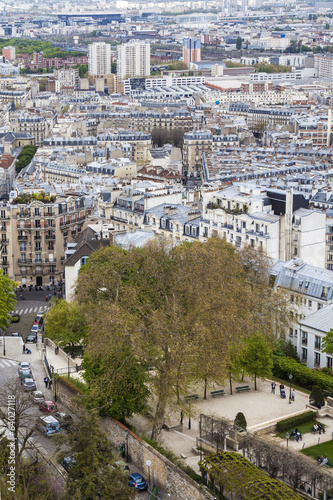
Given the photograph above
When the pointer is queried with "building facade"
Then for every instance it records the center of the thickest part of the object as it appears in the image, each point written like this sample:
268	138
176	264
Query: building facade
133	59
99	59
191	51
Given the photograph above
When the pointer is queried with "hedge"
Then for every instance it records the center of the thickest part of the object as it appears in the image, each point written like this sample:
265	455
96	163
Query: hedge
292	422
302	375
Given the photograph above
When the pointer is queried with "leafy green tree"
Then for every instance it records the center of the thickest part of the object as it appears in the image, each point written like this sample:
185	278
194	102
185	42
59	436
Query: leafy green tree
240	420
327	342
7	299
239	42
116	381
92	475
316	396
65	323
114	67
286	348
258	358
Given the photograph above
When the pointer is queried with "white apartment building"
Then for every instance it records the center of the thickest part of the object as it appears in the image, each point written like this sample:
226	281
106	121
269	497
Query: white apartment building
323	65
133	59
99	59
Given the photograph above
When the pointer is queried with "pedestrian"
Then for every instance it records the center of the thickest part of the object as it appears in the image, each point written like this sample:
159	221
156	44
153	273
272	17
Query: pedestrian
281	388
50	384
293	395
181	417
23	348
55	349
46	381
273	387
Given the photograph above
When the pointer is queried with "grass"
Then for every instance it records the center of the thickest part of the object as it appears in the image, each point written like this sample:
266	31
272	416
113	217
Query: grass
318	450
303	428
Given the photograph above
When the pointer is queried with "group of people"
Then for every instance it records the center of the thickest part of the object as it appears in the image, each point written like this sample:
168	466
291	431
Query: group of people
295	434
322	460
26	350
318	427
48	382
282	391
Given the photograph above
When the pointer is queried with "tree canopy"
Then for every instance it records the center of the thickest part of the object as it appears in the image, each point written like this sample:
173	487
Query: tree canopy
7	299
182	310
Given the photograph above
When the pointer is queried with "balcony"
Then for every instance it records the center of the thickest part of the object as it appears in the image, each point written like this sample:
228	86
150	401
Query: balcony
37	238
5	264
39	261
4	242
49	261
50	237
24	262
22	238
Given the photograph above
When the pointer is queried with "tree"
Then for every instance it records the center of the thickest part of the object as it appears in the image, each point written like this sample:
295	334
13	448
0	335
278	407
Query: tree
239	42
316	396
7	299
327	342
286	348
258	358
114	67
65	323
92	475
240	421
181	309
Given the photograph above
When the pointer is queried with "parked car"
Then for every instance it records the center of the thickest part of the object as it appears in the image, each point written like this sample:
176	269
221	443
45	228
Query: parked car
37	397
25	374
16	334
32	338
49	425
137	481
28	384
48	407
39	319
68	463
34	328
24	365
65	420
14	317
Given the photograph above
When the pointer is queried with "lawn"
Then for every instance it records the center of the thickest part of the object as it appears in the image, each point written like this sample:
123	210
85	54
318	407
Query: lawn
318	450
303	428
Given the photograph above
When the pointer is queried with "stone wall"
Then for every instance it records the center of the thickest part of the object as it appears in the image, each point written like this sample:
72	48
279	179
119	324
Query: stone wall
168	477
65	393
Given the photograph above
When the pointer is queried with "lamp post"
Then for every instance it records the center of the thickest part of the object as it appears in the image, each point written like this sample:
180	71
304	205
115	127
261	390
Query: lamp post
287	438
189	415
4	344
290	378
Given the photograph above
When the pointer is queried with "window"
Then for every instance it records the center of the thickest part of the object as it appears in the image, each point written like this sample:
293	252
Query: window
37	212
319	306
37	223
317	359
317	342
23	257
50	222
38	247
22	247
304	354
304	338
310	304
163	223
38	257
325	291
295	332
291	298
329	362
291	332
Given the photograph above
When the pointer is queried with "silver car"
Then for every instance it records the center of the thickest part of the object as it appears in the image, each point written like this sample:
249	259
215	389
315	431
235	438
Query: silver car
28	384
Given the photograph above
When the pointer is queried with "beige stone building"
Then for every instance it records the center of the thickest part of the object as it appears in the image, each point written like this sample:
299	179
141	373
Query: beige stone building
33	238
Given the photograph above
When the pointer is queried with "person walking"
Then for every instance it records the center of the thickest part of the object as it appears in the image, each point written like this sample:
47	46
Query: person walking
50	384
293	395
46	381
23	348
273	387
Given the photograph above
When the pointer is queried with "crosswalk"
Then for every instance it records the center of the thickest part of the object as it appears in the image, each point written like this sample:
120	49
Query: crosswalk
5	363
29	310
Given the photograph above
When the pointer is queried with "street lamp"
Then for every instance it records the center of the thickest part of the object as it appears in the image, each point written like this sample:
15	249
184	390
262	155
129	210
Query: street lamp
290	378
189	415
4	345
287	438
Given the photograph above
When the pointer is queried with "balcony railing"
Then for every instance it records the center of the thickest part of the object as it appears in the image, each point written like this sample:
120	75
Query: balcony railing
50	237
304	341
24	262
22	238
37	238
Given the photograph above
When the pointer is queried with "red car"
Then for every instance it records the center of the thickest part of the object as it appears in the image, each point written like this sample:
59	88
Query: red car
48	407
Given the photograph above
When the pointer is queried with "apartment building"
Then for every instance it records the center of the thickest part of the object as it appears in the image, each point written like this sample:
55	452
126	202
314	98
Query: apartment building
191	51
250	215
310	290
315	129
182	118
34	235
132	145
37	123
133	59
99	59
67	77
323	65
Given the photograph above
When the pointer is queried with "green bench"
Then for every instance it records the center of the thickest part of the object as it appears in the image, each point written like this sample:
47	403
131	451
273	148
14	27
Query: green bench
220	392
192	396
243	388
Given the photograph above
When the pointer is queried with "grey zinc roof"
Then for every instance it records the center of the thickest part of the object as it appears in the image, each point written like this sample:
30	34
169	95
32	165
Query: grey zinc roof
301	277
137	239
321	320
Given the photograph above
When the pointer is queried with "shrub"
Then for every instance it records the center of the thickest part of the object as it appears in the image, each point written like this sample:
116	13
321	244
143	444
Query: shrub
240	421
316	396
302	375
289	423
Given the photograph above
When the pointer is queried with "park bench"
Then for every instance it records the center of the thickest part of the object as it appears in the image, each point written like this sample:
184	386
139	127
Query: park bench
220	392
243	388
192	396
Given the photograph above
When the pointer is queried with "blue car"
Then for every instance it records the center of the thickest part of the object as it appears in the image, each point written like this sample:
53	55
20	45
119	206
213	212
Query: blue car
138	482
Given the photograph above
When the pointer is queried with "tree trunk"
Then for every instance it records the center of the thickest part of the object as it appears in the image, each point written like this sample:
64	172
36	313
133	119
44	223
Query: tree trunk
230	381
160	408
205	389
255	381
